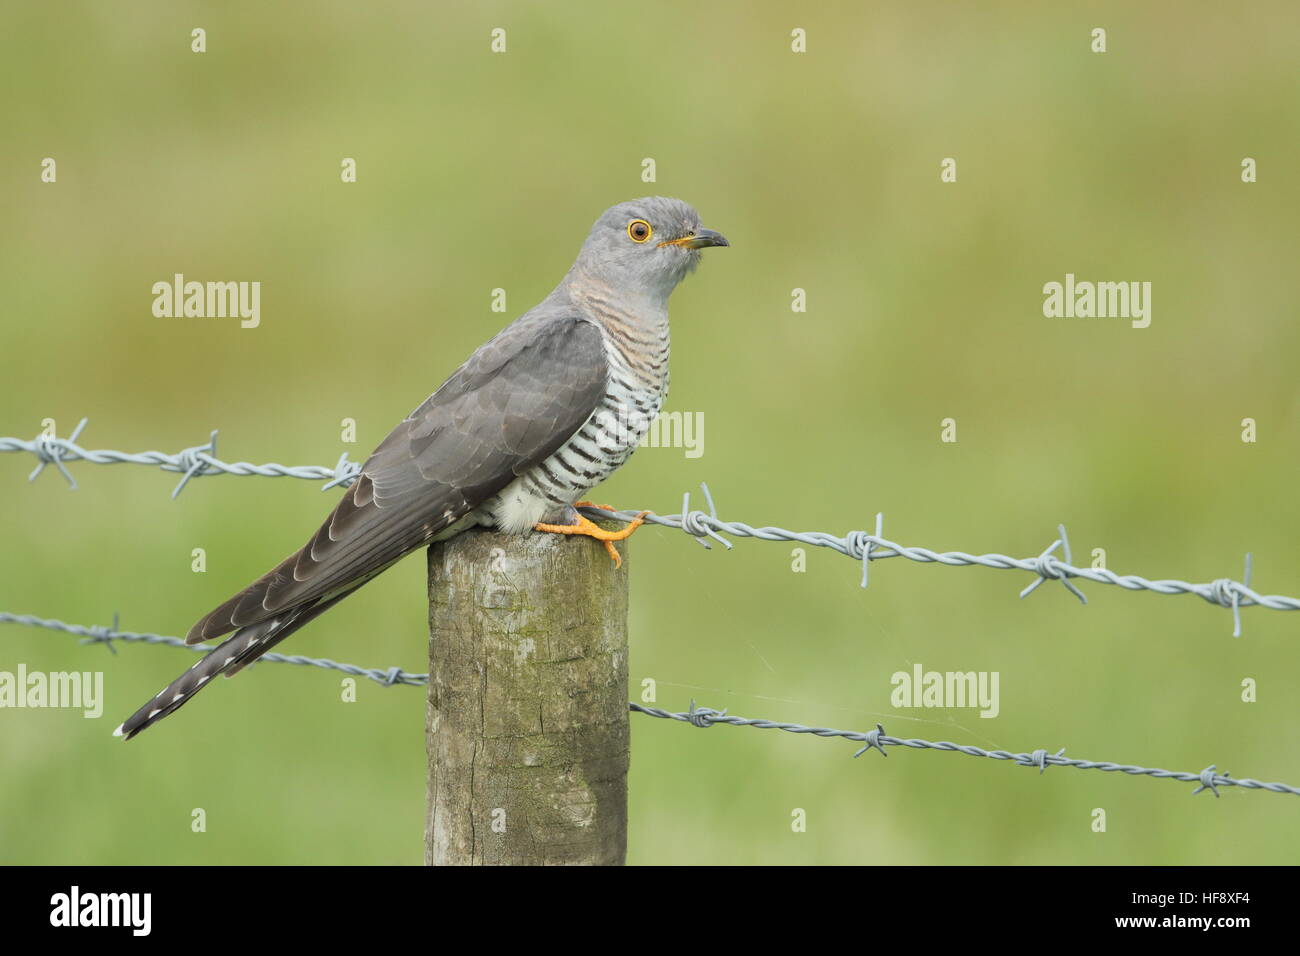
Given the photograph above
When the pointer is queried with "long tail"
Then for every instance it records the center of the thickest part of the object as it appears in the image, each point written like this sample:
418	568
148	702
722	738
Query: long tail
230	656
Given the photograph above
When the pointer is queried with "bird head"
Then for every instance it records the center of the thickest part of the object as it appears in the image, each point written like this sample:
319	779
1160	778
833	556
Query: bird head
645	246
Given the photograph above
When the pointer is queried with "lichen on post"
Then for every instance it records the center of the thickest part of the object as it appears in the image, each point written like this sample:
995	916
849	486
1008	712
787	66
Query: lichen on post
527	729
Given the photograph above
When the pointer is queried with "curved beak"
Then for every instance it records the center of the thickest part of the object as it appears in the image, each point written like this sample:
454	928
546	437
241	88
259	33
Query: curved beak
699	239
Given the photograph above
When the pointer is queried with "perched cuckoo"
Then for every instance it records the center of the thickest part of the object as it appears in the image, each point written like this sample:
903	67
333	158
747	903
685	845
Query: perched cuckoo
534	420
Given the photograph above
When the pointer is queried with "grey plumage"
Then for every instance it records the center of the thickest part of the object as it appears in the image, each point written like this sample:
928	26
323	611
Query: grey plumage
536	417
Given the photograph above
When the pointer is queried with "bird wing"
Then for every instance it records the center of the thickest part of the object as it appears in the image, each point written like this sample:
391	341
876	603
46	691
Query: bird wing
514	403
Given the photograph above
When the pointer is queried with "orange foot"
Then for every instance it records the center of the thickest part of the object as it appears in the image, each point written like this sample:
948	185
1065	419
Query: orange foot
585	526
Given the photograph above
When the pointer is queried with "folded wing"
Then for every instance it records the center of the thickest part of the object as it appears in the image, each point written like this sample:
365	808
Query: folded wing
513	404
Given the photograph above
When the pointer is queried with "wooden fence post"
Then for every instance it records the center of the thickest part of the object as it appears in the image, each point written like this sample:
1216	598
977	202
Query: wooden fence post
527	728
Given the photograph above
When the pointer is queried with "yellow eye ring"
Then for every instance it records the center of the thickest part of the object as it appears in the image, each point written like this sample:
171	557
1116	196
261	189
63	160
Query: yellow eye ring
638	230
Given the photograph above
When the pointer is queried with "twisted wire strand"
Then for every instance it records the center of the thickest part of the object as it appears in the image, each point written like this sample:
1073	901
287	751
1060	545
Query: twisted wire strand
195	462
862	546
705	717
867	547
1208	779
98	634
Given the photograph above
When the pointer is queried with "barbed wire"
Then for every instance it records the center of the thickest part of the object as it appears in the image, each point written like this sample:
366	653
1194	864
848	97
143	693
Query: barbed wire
865	547
194	462
702	717
98	634
1209	778
861	546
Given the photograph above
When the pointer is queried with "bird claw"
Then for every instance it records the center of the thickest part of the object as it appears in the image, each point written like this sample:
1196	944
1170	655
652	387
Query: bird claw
587	528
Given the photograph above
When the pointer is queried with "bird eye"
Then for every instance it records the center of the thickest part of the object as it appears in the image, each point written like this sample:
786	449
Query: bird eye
638	230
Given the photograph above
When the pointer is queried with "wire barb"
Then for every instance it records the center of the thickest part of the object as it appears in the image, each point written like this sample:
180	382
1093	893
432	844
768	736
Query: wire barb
694	522
1208	780
703	717
195	462
1049	568
346	472
872	737
1227	593
859	544
98	634
50	450
1040	759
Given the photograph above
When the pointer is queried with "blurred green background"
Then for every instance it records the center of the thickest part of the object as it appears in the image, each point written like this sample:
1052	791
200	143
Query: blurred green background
478	171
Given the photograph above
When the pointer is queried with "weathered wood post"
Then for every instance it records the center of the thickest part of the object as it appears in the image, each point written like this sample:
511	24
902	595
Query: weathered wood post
527	728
